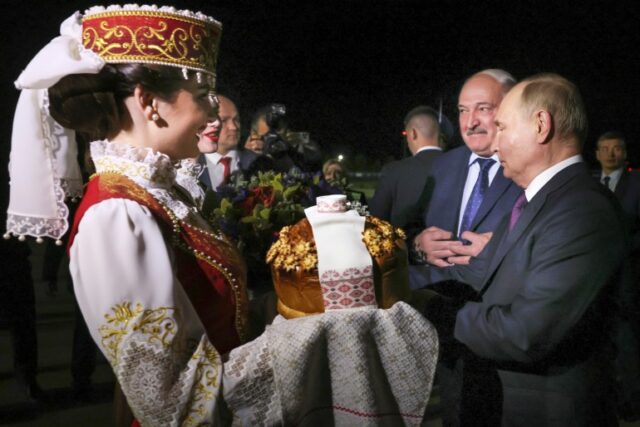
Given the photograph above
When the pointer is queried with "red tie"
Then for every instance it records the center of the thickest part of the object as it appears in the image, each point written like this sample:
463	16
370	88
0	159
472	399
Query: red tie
226	162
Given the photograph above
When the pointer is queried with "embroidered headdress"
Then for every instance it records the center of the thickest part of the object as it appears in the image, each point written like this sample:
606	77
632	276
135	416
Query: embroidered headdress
152	35
43	162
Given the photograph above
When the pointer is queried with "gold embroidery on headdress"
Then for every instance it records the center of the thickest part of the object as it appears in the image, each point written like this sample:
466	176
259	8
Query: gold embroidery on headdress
152	37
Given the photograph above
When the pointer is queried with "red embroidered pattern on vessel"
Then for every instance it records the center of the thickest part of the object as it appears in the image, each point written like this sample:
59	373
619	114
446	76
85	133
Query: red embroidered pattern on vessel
334	206
350	288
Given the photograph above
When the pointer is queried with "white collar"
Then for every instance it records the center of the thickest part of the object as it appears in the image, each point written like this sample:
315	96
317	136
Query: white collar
428	147
545	176
215	157
144	166
474	156
615	175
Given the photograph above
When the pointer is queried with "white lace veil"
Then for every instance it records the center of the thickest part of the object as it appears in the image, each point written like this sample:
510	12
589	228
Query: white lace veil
43	163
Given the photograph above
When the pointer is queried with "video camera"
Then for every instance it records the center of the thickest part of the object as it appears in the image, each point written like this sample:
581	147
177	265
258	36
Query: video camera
274	145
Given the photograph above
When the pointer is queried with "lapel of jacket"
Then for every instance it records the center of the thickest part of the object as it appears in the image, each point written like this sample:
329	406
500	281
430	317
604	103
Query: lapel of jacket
499	185
622	184
245	159
509	238
204	175
454	187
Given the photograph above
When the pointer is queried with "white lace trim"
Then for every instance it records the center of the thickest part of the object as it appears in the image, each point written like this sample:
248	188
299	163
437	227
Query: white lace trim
189	167
55	137
96	10
144	166
187	173
20	225
179	208
72	187
53	227
154	172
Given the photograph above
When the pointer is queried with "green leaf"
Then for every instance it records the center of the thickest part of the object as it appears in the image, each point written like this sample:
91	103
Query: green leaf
225	204
290	191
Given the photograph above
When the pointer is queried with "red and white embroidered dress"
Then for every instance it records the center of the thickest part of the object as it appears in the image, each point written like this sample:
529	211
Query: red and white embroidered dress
162	294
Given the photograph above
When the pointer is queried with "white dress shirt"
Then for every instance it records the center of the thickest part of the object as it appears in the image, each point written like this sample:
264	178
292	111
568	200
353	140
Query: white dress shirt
216	170
545	176
428	147
614	178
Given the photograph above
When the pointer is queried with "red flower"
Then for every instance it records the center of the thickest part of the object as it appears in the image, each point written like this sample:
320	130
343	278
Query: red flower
248	204
265	195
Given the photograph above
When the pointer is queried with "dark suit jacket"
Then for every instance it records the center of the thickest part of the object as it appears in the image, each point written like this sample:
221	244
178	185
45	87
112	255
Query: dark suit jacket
246	160
450	175
628	192
545	312
404	188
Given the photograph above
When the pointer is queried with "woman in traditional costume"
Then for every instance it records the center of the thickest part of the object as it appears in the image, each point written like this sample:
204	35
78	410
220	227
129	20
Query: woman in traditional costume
164	295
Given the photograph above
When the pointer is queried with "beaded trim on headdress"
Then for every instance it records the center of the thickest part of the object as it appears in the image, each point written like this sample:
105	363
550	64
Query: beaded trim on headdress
152	35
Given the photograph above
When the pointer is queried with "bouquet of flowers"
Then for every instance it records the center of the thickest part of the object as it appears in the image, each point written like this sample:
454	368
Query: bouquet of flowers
253	211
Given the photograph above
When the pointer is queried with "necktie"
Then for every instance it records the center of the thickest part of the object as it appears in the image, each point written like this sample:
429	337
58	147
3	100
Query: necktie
477	194
226	163
518	207
606	181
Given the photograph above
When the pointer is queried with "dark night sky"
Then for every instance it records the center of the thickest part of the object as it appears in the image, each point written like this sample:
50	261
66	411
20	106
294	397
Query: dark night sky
348	71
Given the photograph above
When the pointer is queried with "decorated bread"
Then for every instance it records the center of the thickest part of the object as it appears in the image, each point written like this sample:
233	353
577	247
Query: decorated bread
350	262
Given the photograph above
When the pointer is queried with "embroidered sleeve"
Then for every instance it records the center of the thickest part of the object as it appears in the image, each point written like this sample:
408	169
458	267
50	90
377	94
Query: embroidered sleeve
140	317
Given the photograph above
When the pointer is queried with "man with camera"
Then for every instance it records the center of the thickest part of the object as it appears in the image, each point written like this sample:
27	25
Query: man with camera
271	136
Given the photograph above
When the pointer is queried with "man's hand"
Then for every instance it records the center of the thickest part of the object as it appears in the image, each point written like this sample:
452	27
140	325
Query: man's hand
437	245
463	253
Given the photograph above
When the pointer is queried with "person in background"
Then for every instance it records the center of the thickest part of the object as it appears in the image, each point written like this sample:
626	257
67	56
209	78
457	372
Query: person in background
625	184
254	142
332	171
334	180
405	186
221	155
285	147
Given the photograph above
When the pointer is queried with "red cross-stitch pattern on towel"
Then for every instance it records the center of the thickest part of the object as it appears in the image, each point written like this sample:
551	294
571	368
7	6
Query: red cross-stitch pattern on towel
350	288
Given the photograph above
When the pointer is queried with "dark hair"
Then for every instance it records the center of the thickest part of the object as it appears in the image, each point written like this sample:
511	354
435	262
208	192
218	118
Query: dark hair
272	115
421	110
94	103
613	134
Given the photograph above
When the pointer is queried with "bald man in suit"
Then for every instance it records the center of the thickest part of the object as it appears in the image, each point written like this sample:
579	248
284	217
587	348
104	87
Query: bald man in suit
471	192
405	186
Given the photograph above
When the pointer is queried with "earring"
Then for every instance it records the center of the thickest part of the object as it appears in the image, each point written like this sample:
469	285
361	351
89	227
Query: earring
155	116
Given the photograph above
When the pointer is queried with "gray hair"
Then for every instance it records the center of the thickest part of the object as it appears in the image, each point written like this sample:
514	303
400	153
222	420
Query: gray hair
506	80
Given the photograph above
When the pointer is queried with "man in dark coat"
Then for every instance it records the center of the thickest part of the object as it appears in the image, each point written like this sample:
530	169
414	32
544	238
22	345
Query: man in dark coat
551	268
405	186
625	184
